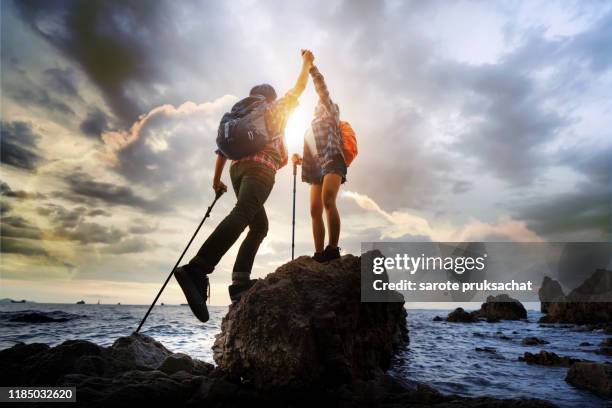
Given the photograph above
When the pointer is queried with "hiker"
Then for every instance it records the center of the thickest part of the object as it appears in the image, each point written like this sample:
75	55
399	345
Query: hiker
252	179
324	167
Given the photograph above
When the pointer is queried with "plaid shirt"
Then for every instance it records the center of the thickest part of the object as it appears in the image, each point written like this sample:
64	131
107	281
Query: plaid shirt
325	131
274	155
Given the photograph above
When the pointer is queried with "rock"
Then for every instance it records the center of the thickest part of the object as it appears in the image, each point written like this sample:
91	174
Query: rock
36	317
546	358
438	319
461	316
589	303
139	350
486	349
305	325
501	307
605	347
550	291
595	377
584	344
182	362
533	341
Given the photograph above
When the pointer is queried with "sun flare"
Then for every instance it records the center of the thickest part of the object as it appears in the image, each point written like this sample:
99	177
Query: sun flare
295	129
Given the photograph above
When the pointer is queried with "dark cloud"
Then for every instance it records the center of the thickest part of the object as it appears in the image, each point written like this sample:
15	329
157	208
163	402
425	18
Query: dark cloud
15	226
129	246
62	81
83	189
5	190
89	233
21	247
4	208
40	97
18	145
95	123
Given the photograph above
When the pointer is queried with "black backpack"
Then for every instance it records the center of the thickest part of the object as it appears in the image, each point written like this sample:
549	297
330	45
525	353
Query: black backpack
243	132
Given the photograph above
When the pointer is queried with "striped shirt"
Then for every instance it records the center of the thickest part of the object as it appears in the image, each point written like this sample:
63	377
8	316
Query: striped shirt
274	155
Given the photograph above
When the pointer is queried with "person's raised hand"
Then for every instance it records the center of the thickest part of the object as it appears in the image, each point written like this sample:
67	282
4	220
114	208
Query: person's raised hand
296	159
308	57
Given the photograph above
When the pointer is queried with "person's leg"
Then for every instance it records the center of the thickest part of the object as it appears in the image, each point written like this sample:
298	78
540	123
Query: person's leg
253	183
258	229
316	215
330	188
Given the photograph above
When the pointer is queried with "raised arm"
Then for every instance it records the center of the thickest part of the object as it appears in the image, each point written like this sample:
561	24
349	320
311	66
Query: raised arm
302	81
321	88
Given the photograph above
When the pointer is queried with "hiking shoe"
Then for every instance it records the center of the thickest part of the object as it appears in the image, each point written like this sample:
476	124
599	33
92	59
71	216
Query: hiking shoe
195	287
318	256
236	290
329	254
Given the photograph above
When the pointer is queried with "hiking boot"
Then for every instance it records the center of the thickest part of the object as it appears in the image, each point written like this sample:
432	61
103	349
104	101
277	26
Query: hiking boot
329	254
195	287
318	256
237	290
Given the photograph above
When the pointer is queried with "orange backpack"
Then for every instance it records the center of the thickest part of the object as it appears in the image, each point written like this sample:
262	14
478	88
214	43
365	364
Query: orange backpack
349	142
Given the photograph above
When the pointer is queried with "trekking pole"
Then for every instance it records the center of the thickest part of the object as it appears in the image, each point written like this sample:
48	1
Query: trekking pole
218	194
293	223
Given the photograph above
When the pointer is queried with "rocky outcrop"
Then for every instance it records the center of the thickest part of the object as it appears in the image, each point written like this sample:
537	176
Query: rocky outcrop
460	316
533	341
305	325
547	358
589	303
502	307
550	291
605	347
595	377
496	308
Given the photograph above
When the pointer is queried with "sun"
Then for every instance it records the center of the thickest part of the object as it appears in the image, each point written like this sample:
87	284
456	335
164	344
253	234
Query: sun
295	129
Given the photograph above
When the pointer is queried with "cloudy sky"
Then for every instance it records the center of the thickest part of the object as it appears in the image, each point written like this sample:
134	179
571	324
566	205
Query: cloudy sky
476	121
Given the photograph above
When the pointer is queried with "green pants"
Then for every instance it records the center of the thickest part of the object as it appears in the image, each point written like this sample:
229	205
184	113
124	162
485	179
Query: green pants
252	183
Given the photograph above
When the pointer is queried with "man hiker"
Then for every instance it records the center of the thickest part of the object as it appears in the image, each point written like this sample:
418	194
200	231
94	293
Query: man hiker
252	179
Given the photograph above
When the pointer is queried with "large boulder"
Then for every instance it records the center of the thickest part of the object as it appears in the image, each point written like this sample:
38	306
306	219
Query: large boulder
550	291
459	315
548	358
595	377
305	325
589	303
501	307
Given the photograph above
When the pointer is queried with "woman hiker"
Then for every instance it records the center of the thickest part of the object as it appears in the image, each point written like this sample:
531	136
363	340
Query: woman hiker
324	168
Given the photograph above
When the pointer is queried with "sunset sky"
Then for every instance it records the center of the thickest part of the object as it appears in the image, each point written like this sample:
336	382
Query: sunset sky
475	121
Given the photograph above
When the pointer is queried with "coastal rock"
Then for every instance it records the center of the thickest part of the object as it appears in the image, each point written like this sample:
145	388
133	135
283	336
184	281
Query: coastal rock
139	350
595	377
461	316
605	347
305	325
589	303
547	358
550	291
501	307
182	362
533	341
36	317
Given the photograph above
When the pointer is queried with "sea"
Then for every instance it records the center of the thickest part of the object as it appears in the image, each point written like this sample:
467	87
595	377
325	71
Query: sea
440	354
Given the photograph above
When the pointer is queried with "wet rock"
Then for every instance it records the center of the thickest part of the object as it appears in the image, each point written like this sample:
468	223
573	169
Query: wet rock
588	304
584	344
486	349
182	362
605	347
550	291
595	377
438	319
533	341
547	358
461	316
305	324
501	307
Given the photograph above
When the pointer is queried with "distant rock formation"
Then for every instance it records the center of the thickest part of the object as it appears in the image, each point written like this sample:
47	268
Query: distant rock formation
547	358
496	308
305	325
550	291
595	377
533	341
589	303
